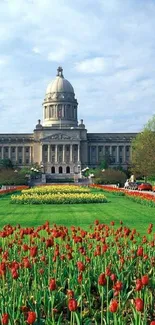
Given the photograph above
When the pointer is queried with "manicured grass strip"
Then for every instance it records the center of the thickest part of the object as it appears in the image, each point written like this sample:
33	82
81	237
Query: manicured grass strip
119	208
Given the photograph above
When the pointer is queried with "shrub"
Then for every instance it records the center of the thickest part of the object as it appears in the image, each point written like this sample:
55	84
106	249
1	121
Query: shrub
110	176
9	177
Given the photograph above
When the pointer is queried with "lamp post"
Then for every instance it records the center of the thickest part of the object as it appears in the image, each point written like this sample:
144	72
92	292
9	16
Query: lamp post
43	176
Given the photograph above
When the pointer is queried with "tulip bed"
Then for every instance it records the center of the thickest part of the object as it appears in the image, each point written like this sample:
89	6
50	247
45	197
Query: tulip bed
58	195
51	189
142	198
59	198
55	275
13	189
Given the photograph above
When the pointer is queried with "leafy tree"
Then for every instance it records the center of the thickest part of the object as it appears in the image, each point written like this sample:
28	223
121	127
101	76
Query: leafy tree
5	163
143	151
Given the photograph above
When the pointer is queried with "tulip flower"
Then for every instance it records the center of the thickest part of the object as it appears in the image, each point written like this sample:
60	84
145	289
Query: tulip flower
145	280
139	304
5	319
31	317
113	306
81	266
72	304
52	284
102	279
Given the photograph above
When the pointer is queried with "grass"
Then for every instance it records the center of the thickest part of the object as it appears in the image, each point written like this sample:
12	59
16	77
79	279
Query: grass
132	214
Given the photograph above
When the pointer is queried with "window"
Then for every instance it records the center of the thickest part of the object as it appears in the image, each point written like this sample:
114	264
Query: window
60	170
20	149
19	161
27	161
67	170
6	149
12	150
45	111
27	149
120	160
53	170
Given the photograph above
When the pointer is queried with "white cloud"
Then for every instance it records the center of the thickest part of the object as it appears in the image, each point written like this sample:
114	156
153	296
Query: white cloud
107	49
36	50
94	65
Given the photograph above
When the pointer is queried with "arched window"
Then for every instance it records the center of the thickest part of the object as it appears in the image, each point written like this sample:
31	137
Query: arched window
53	170
67	170
60	170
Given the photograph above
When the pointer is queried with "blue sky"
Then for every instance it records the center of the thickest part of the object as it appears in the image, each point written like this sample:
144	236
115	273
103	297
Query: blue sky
107	51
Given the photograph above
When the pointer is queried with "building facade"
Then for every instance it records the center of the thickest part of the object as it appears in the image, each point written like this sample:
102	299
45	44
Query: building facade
61	145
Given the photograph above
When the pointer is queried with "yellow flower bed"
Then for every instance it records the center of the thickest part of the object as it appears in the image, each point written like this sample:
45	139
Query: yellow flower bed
56	189
53	198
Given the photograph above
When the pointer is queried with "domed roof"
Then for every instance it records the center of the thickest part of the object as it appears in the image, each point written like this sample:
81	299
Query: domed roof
60	84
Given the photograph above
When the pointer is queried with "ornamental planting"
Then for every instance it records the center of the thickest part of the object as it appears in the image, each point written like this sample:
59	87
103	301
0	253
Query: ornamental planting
55	275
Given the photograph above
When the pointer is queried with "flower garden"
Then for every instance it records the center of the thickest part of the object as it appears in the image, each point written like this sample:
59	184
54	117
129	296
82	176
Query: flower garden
142	198
59	275
58	195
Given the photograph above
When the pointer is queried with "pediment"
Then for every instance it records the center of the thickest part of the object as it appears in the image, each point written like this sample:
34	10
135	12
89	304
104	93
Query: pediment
57	136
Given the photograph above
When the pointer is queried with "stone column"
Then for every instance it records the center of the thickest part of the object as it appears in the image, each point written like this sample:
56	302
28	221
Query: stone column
104	152
41	153
117	154
71	152
16	153
49	154
111	151
30	154
2	152
9	152
56	153
97	154
89	160
23	156
78	152
124	154
63	153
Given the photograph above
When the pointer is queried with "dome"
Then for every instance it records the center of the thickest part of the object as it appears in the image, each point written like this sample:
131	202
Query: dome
60	84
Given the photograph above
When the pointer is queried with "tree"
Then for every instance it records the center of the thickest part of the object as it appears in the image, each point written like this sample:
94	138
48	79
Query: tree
5	163
143	151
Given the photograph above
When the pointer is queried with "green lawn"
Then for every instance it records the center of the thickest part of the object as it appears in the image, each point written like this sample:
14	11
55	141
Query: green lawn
132	214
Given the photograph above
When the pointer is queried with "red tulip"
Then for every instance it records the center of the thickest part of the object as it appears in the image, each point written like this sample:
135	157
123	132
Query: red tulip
140	251
31	317
118	286
80	277
145	279
5	319
72	304
52	284
153	322
139	304
139	285
113	277
113	306
102	279
33	251
81	266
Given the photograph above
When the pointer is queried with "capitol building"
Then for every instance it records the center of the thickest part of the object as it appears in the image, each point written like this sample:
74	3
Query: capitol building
60	144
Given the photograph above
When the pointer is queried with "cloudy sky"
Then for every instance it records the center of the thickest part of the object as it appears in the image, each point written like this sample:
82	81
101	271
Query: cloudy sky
107	51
